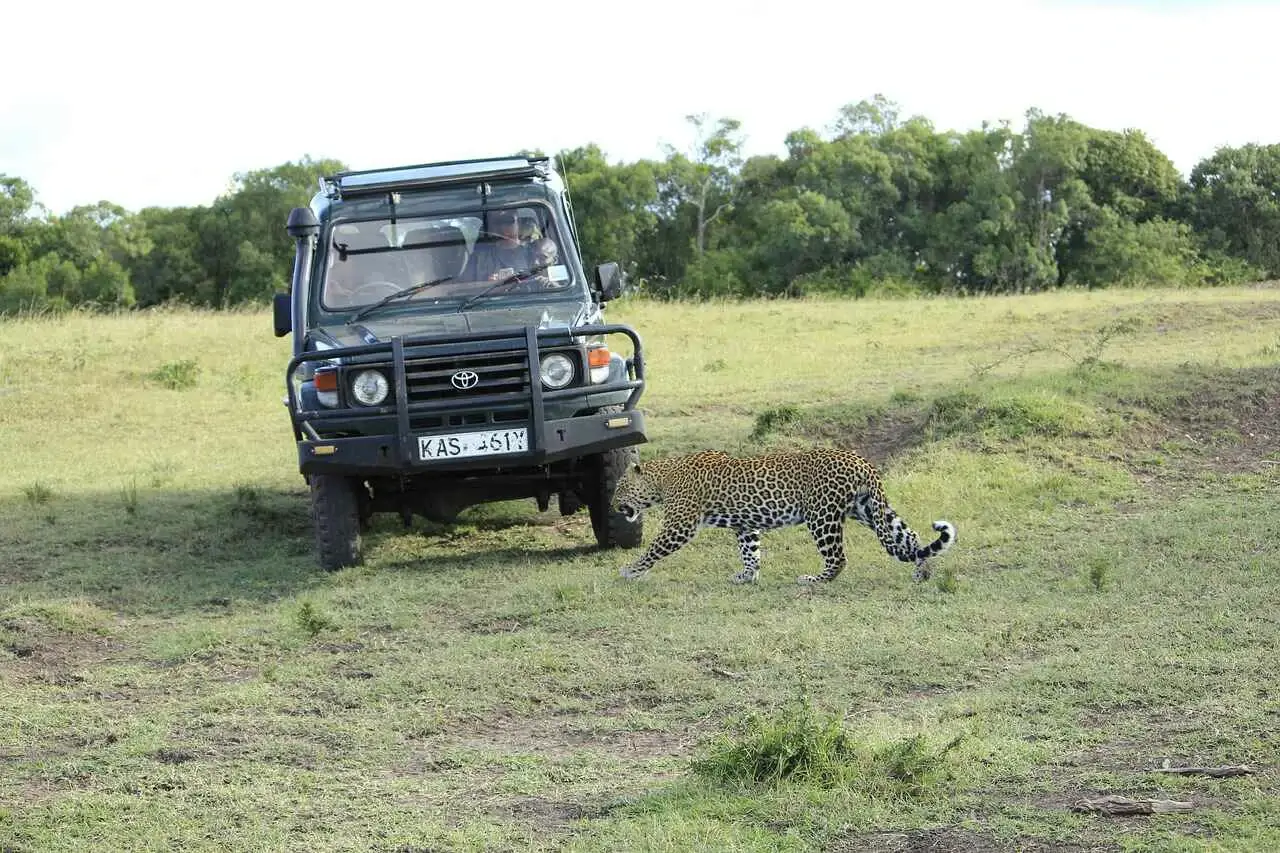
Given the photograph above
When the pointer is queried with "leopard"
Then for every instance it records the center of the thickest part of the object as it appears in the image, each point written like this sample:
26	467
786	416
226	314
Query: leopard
819	487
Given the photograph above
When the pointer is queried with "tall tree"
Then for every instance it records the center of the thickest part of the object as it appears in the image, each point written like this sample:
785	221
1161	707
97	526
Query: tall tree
613	205
705	177
1235	203
16	202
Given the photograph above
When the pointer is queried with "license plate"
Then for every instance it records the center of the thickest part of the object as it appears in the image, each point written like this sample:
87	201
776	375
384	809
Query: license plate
459	444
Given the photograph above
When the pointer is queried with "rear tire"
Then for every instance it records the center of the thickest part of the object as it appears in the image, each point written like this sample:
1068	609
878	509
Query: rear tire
336	510
611	528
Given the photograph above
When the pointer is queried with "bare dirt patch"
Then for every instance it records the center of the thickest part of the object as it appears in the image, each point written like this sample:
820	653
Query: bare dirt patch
508	625
1128	765
45	654
564	736
950	840
545	814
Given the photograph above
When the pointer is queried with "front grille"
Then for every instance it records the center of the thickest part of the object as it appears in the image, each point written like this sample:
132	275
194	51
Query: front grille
469	419
505	371
502	374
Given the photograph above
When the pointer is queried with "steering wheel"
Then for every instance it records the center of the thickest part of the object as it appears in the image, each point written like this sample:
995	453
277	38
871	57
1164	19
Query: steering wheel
373	290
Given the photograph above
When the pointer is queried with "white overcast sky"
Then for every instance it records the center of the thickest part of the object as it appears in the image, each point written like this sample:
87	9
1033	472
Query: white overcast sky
150	104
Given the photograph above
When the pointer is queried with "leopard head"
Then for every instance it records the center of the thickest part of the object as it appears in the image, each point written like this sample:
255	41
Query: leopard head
637	491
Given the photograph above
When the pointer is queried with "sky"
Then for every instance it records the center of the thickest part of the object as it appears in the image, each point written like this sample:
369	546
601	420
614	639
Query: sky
149	104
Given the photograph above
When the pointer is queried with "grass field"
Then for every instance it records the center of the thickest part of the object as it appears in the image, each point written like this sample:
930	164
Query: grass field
175	672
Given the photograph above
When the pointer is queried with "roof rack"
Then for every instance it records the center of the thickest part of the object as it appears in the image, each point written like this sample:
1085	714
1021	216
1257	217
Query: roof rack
377	181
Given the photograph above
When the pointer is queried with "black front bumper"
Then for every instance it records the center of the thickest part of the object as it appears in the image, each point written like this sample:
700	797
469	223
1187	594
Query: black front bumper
400	452
382	455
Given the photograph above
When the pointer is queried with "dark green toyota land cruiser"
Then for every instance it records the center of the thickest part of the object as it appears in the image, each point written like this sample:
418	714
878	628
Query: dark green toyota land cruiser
449	349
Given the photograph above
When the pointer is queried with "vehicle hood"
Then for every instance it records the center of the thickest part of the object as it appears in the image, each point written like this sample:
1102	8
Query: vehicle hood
372	330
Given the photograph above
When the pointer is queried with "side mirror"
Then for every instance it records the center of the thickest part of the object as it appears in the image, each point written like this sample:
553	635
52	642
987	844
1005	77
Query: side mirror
609	280
281	309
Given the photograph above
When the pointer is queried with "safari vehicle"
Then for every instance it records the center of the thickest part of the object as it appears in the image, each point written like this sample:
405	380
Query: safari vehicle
449	349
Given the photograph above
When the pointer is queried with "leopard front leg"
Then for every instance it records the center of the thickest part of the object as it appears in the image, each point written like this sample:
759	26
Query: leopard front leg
749	547
827	530
675	534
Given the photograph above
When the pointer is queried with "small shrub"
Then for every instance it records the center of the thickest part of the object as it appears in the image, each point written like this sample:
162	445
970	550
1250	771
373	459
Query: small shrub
312	620
797	744
129	497
946	580
1099	572
802	745
903	398
177	375
772	420
37	494
950	411
910	766
248	497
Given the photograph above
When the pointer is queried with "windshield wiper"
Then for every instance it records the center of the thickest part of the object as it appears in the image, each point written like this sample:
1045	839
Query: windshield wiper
399	294
515	276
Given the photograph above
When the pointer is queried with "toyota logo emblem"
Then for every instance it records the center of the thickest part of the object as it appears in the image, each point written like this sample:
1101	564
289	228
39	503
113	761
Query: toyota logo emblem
465	379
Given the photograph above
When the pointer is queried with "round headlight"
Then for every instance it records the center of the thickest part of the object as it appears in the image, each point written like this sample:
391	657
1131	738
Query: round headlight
557	370
369	387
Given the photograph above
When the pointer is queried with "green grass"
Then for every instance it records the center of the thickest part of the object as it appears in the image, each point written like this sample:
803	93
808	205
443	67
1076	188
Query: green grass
175	672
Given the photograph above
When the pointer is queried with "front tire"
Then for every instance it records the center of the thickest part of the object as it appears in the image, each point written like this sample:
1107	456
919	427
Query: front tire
611	528
336	516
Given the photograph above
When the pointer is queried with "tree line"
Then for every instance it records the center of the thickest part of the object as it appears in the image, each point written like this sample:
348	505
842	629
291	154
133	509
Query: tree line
873	203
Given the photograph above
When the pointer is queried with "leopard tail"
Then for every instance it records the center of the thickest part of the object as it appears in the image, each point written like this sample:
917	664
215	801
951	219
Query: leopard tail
946	538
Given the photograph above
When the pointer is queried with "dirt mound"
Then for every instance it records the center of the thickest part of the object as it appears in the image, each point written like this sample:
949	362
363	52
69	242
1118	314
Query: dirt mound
879	436
1185	421
1225	422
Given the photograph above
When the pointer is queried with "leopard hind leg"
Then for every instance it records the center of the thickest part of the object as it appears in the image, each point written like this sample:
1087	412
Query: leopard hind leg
827	529
748	542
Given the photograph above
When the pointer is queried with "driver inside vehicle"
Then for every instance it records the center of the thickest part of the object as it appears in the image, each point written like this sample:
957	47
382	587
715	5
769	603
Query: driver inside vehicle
492	259
543	273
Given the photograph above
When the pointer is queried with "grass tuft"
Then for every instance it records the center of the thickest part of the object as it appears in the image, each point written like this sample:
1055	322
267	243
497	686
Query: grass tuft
312	620
773	420
180	375
37	494
803	745
129	497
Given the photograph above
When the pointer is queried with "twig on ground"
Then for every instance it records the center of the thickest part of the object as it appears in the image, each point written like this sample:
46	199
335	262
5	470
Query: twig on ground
1219	772
1114	804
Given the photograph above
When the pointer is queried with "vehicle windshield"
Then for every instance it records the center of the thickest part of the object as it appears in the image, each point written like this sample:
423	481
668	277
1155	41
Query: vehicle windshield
499	252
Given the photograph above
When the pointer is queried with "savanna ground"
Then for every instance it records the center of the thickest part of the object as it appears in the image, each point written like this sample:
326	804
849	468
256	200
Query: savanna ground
178	674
